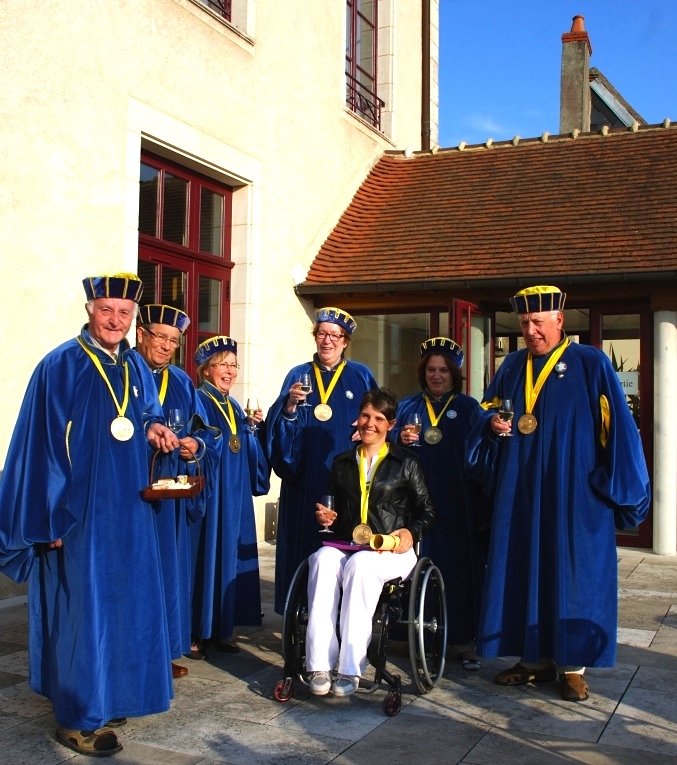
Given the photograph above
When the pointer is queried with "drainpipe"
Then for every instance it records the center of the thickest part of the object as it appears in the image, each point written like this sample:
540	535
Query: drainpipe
425	73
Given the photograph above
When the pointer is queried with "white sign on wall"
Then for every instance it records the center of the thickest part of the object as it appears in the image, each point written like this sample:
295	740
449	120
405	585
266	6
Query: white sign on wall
629	382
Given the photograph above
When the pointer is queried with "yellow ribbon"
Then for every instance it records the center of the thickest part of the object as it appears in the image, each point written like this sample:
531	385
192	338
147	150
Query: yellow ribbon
230	417
164	384
122	408
531	391
431	413
324	395
365	486
605	411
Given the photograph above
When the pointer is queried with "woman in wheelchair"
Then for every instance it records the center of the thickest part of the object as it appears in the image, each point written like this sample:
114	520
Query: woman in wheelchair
382	485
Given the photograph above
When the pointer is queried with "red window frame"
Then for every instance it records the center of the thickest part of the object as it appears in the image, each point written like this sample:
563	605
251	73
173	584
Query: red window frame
362	85
189	259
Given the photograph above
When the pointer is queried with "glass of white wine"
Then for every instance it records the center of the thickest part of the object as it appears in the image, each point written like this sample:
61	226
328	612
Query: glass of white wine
505	413
250	410
413	425
328	501
306	382
175	420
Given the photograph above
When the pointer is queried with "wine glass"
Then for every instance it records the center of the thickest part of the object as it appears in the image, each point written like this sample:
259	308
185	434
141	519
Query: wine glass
306	382
328	501
505	412
250	410
175	420
413	425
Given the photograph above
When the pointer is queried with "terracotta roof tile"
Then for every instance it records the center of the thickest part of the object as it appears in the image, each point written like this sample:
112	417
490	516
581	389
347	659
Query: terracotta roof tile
589	205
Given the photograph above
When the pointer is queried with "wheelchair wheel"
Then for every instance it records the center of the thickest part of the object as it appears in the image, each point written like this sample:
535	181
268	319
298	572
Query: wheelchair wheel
427	625
294	624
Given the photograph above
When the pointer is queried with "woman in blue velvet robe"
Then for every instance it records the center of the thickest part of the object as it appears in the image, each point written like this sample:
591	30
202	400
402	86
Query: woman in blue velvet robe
301	447
558	492
98	643
226	587
457	545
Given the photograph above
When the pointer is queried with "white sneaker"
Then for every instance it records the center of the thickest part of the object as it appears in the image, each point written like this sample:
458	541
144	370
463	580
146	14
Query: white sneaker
345	685
320	683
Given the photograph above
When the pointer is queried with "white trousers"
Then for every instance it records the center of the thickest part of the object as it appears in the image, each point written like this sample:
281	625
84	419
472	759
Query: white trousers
361	575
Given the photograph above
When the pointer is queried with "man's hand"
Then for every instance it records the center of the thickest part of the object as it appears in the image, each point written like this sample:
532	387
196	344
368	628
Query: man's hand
161	437
189	447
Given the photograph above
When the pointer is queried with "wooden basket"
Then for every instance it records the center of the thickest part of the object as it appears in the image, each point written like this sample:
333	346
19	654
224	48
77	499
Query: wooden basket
195	485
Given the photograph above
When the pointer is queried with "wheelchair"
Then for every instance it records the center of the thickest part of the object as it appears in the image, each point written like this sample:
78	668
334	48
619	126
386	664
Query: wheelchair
418	604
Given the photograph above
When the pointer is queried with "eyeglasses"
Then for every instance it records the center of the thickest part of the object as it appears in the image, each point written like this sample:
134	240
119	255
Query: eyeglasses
162	339
225	365
333	336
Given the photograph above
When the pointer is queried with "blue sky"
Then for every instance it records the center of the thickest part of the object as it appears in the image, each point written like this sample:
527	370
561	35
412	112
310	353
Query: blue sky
500	62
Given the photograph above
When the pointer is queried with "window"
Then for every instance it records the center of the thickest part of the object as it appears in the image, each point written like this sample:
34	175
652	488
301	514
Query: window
221	7
361	58
184	248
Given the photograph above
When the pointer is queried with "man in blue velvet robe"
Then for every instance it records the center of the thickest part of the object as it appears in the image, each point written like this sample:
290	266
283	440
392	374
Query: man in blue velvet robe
303	440
564	473
158	335
73	522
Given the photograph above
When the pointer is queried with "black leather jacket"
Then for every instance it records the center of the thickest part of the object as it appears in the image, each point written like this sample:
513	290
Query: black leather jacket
399	497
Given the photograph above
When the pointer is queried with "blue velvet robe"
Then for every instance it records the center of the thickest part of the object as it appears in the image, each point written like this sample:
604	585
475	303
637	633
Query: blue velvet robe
226	587
457	544
301	450
558	493
98	643
175	517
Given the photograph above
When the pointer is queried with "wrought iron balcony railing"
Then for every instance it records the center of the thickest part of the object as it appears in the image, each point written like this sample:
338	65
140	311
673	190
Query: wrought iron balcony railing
363	102
222	7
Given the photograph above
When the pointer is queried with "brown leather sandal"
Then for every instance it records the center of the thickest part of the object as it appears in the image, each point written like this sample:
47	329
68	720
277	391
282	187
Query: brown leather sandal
519	675
93	743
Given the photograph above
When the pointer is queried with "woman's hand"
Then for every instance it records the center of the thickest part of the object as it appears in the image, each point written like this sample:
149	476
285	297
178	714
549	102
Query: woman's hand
408	435
294	398
325	517
406	540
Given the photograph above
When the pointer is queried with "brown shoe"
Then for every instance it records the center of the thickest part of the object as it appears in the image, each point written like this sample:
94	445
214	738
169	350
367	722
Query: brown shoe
519	675
573	687
178	671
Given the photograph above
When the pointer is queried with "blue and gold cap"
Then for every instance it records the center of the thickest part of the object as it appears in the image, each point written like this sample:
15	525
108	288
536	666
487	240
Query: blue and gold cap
123	286
154	313
443	346
538	299
336	316
218	344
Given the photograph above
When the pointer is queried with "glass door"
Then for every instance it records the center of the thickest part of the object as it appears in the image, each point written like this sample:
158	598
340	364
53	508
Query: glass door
472	331
198	289
626	339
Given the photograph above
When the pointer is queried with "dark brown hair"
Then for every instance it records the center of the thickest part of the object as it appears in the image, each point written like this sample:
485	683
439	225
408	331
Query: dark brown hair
383	400
456	374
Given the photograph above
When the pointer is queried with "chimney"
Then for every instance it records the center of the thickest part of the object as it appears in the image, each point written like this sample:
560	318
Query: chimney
574	104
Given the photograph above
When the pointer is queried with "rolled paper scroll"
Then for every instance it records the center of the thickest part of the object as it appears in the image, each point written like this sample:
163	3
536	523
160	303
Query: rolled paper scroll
383	542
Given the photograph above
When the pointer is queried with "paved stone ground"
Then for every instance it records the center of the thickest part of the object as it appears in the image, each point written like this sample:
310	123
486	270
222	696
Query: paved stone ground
223	711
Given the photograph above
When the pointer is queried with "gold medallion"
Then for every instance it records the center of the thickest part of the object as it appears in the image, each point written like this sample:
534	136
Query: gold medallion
323	412
122	429
527	423
234	444
361	534
432	436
